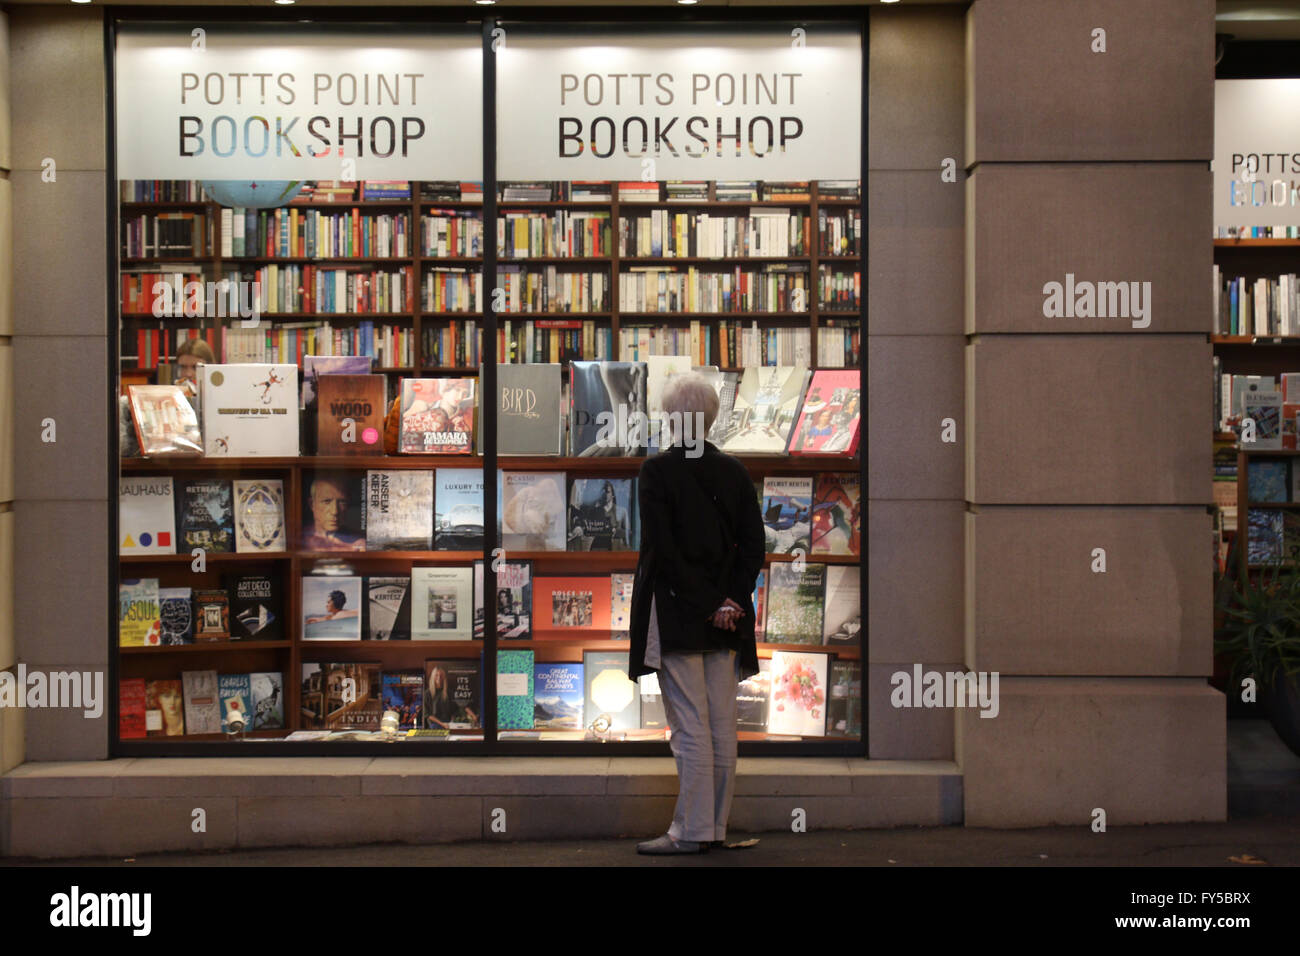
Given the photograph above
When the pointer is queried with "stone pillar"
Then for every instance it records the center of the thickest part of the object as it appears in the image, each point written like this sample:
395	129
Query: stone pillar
11	720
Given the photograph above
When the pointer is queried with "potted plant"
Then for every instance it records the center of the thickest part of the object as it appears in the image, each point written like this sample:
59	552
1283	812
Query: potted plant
1261	634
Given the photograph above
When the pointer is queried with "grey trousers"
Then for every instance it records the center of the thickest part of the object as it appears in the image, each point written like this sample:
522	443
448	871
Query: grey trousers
699	693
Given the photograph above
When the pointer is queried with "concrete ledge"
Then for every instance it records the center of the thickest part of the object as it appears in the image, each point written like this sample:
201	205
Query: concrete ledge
127	806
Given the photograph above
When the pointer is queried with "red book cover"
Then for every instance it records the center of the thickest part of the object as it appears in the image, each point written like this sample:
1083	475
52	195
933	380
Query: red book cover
564	606
130	714
829	421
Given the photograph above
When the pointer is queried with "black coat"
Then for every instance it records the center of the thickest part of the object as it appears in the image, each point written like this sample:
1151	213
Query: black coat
685	553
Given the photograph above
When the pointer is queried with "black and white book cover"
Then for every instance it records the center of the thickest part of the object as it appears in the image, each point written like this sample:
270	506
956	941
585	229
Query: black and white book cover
442	604
608	409
514	600
207	516
388	609
767	402
532	510
528	409
255	607
842	619
202	709
602	514
399	510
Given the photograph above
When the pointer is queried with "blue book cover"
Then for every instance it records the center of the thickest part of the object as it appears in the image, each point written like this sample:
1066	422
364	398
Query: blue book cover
557	696
602	514
515	690
403	691
235	693
1264	544
458	509
787	514
1267	481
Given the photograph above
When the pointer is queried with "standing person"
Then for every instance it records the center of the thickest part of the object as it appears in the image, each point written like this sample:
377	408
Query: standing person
702	547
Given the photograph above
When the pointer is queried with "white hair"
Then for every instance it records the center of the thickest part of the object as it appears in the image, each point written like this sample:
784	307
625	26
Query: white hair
690	394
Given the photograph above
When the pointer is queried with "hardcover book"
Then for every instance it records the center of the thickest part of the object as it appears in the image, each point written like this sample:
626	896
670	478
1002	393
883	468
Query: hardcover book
565	605
653	715
388	609
514	600
787	509
255	607
607	690
165	421
1267	481
533	515
458	510
836	520
620	605
799	691
352	696
437	416
1264	535
515	690
249	411
404	693
146	516
794	603
760	605
844	710
130	708
725	383
350	414
557	696
164	708
842	618
331	608
207	516
139	617
268	700
441	608
211	615
399	510
1265	409
607	409
202	709
333	516
762	417
829	421
312	696
314	367
453	693
528	410
259	515
602	514
752	696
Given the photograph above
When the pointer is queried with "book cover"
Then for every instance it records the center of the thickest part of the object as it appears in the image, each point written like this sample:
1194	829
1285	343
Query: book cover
453	693
1265	409
602	514
620	605
726	384
515	690
331	608
259	515
399	510
458	509
211	615
557	696
249	411
571	604
514	600
164	708
794	603
165	421
608	691
1264	535
130	708
202	708
842	617
333	516
437	416
829	420
653	715
1267	480
787	510
752	696
759	598
441	608
350	414
762	416
607	409
268	700
255	607
659	369
532	510
176	614
798	703
836	521
528	410
146	516
207	516
139	616
312	696
352	696
404	693
844	709
388	609
1291	537
316	366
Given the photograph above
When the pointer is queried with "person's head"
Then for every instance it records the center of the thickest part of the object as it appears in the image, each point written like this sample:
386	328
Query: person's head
607	493
439	418
437	680
690	406
329	502
824	417
190	354
335	601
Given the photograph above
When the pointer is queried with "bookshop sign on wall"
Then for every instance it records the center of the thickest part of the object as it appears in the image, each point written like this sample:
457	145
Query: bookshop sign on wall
1257	152
276	104
733	105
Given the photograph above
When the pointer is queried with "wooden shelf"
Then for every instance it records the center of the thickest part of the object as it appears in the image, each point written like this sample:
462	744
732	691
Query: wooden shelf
1254	243
214	647
802	464
215	557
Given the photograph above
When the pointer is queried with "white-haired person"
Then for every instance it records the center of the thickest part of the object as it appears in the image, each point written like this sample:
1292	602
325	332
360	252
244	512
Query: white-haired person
702	548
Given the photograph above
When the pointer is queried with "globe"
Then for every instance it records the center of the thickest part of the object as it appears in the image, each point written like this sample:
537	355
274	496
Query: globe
253	195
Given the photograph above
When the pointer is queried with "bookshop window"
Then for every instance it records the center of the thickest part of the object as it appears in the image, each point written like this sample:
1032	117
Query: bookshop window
304	538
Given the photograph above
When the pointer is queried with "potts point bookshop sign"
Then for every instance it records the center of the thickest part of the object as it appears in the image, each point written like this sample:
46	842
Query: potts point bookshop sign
784	104
1257	152
296	103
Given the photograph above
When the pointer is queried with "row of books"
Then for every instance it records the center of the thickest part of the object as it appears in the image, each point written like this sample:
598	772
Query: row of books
419	510
246	607
390	346
1257	232
1271	403
1256	307
613	410
166	234
548	289
769	232
807	694
287	231
579	232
